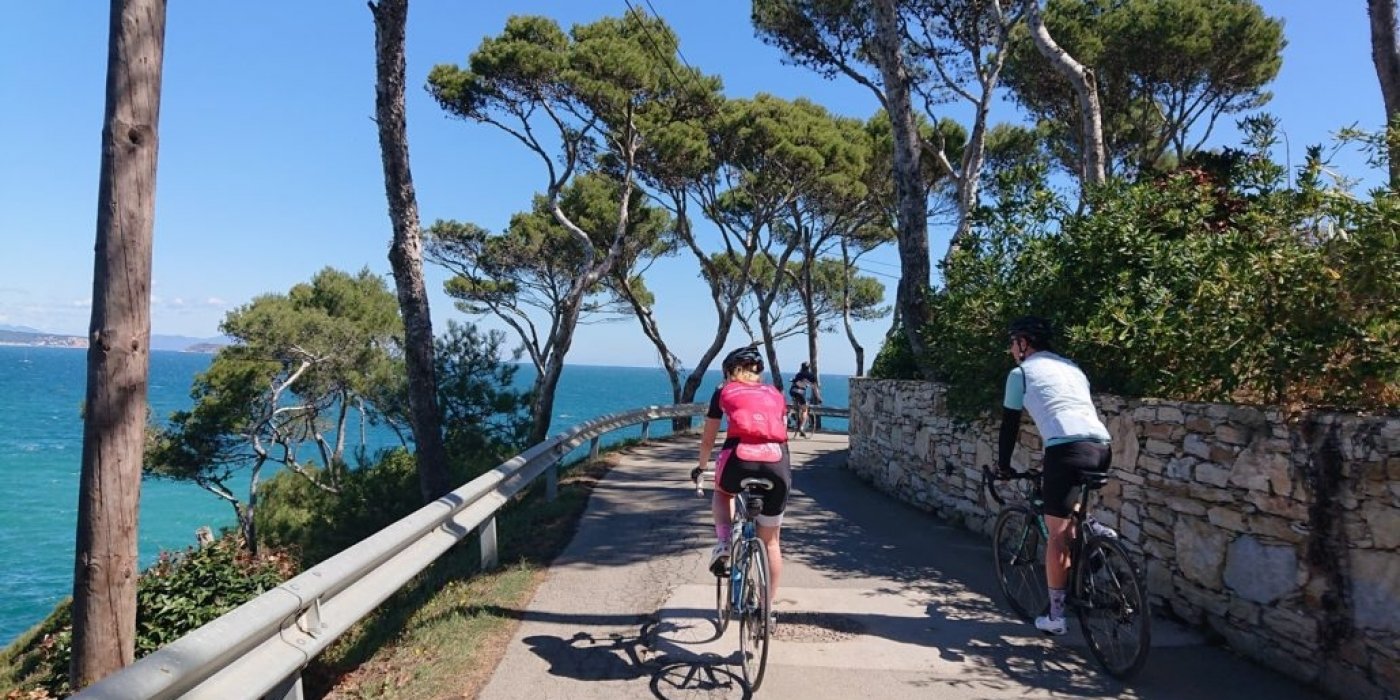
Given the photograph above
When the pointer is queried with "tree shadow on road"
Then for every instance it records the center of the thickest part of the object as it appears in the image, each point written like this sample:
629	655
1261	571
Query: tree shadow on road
626	657
841	525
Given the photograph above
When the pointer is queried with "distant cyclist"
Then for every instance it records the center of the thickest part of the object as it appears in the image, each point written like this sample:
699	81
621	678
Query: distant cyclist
798	392
754	446
1056	393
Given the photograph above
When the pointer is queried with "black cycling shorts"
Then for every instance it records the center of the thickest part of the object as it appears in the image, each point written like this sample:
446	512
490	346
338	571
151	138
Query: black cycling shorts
1064	469
799	398
731	472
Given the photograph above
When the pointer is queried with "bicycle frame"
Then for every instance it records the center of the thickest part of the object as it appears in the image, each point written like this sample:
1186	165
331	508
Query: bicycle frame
747	534
1119	597
1077	515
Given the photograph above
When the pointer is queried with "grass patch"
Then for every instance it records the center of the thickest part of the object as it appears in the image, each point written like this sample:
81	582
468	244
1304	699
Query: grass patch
443	634
24	664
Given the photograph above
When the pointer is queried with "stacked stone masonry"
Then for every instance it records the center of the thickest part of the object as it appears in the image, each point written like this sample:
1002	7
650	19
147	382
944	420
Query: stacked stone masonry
1280	534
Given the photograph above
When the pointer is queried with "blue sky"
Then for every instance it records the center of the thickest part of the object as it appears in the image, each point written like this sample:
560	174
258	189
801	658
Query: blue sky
269	162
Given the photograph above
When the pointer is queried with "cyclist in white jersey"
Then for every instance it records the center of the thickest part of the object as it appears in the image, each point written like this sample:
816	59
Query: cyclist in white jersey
1056	393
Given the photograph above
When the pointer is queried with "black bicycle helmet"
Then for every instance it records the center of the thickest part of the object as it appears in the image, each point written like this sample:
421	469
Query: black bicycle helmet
742	357
1034	329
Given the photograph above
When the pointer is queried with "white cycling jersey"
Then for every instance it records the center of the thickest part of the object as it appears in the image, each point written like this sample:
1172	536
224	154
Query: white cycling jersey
1056	393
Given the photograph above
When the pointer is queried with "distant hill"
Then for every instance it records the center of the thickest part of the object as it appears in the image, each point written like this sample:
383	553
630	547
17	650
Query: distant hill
51	340
207	348
19	329
185	343
178	343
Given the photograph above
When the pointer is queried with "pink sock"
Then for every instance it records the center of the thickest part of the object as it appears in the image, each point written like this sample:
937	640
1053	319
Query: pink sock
723	532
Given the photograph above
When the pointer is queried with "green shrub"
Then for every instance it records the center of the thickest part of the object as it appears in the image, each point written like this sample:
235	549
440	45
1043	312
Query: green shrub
315	524
1213	282
895	359
485	421
177	594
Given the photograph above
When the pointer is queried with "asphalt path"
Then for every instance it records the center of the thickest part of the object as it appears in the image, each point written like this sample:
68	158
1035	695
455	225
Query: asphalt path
878	599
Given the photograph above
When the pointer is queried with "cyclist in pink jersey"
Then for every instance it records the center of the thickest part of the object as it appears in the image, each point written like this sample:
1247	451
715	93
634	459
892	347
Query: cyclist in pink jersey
755	445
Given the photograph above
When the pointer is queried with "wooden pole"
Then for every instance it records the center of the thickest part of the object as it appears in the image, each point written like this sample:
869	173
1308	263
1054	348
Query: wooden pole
114	416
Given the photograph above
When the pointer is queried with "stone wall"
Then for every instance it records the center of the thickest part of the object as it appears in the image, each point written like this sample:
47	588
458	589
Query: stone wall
1281	535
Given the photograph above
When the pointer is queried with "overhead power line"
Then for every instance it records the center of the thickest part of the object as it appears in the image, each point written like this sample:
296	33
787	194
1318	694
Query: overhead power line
678	44
655	45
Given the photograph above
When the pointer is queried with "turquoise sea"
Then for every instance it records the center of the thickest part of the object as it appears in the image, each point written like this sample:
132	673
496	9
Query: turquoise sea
41	392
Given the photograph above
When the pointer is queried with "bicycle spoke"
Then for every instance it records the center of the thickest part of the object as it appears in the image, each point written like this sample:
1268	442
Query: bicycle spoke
753	621
1020	561
722	608
1113	610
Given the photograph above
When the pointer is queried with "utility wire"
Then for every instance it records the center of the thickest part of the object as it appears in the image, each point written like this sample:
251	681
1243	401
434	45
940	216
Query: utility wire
678	46
863	261
655	45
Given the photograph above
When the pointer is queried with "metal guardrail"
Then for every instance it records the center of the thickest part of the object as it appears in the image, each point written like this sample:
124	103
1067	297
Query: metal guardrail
259	648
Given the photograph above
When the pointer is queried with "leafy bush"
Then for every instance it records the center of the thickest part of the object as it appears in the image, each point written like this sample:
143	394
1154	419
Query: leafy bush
895	359
484	419
485	422
184	590
175	595
1213	282
314	524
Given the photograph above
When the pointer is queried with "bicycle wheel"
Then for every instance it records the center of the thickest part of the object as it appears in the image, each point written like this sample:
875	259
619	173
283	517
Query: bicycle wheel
1020	558
1113	610
753	617
724	595
722	609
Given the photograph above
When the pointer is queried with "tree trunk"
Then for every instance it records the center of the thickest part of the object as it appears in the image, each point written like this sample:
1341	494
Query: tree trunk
846	311
542	410
406	253
652	330
970	179
1387	59
697	375
855	345
118	361
912	294
248	514
1091	116
724	310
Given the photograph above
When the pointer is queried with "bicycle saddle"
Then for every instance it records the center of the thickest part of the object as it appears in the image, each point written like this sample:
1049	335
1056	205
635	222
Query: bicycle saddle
757	483
1094	479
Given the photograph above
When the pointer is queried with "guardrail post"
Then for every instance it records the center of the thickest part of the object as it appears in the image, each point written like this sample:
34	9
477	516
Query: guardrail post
646	430
593	450
289	689
487	536
551	482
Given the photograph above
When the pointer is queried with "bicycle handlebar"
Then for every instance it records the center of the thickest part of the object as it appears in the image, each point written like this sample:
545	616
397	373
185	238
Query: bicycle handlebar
989	485
989	479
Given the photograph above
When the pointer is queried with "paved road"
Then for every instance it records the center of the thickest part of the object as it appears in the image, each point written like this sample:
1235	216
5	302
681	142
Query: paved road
878	600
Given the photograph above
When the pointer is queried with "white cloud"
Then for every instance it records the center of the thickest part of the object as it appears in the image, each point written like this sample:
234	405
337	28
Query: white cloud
215	301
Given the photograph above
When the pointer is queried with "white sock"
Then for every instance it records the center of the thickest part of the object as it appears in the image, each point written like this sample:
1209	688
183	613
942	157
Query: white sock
1057	603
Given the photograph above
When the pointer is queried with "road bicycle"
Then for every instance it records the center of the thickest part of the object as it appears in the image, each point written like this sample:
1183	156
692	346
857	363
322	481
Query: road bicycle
741	591
1106	589
803	429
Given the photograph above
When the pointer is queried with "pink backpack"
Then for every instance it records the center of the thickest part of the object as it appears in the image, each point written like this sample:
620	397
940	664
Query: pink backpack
757	412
